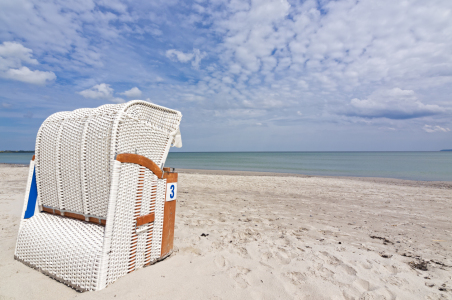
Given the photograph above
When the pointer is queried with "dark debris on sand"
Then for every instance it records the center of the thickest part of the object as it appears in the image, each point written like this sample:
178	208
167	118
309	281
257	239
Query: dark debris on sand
421	265
385	240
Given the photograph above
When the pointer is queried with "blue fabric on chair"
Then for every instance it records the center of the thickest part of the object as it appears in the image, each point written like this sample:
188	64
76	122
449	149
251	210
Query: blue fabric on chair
31	206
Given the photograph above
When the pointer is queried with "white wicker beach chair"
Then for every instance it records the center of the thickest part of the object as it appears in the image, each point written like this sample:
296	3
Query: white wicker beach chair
98	204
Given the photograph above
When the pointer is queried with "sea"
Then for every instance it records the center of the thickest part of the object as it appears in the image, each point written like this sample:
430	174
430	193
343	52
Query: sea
426	166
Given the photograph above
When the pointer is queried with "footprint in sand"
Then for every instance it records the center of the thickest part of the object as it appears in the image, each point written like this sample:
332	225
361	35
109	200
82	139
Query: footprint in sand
186	250
392	270
220	261
296	278
378	294
238	274
266	256
371	291
366	265
318	270
241	251
241	282
393	280
349	270
282	256
331	259
351	293
361	284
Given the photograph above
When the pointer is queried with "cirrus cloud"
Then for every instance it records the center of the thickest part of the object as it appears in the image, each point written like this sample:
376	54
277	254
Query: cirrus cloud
437	128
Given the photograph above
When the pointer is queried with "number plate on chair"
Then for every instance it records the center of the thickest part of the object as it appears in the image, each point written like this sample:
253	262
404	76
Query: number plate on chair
171	191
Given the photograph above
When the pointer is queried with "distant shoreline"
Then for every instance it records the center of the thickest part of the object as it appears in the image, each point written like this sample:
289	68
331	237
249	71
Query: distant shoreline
19	151
383	180
378	180
417	166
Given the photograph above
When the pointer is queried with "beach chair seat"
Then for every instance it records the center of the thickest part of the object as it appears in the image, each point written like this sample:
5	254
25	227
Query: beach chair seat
96	205
64	248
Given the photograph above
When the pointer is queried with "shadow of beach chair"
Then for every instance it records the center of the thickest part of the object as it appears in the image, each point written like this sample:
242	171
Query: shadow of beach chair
98	204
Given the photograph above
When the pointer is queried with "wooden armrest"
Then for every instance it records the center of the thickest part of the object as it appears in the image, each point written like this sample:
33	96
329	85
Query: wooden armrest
141	220
140	160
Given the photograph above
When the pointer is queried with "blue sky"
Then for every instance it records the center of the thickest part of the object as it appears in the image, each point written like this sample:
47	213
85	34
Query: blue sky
255	75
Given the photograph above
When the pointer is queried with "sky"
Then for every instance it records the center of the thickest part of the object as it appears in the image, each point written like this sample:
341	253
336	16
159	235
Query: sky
258	75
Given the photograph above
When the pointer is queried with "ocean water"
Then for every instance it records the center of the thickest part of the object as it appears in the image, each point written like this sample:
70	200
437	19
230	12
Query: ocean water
15	158
429	166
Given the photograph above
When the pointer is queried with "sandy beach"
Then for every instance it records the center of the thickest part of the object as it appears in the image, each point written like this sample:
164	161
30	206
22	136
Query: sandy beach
245	235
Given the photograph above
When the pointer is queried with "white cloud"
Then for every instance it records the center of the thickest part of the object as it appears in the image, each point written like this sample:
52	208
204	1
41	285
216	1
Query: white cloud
114	5
392	104
101	91
322	54
12	56
70	32
431	129
132	93
198	57
175	55
337	62
26	75
195	57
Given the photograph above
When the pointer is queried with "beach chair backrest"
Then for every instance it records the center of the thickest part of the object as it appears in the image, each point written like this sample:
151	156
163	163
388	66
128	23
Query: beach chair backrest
75	151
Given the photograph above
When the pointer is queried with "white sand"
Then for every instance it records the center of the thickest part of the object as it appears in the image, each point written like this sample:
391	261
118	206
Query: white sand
273	237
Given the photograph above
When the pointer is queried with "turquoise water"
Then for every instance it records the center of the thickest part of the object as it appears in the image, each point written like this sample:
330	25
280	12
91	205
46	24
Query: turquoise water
430	166
15	158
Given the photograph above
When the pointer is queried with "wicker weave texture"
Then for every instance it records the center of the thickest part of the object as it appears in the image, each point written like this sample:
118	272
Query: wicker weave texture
159	117
75	151
76	171
123	222
69	142
158	222
96	160
133	137
133	247
64	248
45	150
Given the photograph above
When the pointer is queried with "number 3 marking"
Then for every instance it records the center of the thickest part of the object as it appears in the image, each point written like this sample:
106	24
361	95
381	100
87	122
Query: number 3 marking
172	191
